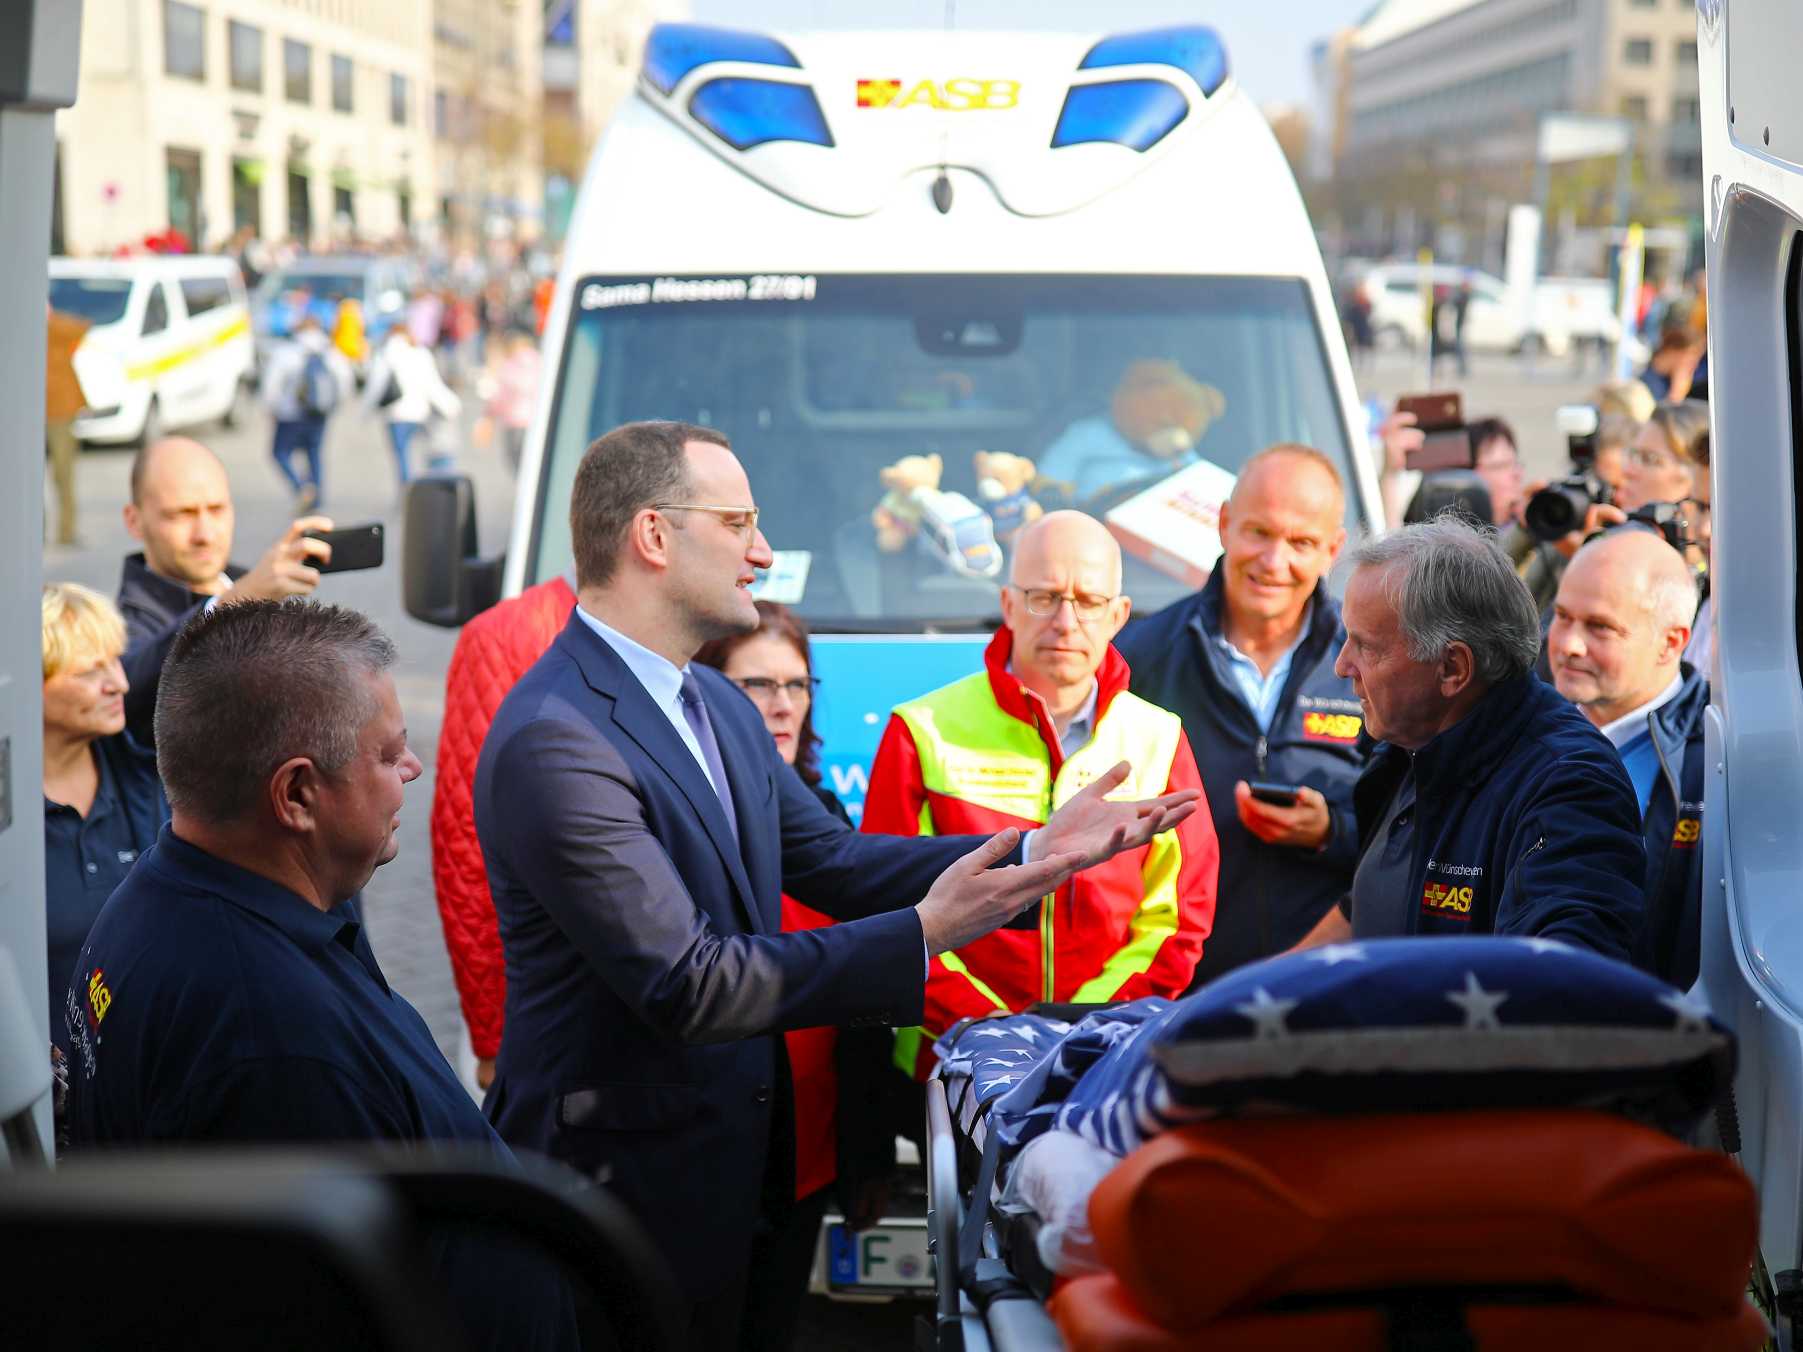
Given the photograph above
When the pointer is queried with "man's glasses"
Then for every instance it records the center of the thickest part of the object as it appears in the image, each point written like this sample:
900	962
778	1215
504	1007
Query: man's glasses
1042	602
742	519
763	690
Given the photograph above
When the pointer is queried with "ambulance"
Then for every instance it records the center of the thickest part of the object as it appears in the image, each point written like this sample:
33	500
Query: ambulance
855	252
169	345
870	257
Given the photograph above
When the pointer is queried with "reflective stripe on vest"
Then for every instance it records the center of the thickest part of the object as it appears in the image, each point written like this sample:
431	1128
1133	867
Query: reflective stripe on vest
971	750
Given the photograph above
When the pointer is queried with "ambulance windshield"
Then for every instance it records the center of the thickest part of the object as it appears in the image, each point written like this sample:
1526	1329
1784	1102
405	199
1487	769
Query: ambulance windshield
859	406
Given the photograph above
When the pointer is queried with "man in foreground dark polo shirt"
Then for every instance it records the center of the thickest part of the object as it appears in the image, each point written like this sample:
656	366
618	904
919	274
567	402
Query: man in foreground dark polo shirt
227	992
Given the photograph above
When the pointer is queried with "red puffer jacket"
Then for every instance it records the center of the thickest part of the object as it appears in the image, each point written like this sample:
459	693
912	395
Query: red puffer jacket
493	652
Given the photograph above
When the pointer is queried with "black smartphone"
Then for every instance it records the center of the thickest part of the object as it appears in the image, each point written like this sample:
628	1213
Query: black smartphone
353	548
1277	795
1441	417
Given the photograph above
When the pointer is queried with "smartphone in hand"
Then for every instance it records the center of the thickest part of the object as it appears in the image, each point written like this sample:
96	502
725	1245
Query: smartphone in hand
1441	418
354	548
1277	795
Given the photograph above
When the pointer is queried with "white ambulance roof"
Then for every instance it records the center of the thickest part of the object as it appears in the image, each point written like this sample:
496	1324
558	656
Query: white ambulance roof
1211	195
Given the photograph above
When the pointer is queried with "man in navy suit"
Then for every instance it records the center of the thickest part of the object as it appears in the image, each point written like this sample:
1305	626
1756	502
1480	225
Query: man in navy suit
639	829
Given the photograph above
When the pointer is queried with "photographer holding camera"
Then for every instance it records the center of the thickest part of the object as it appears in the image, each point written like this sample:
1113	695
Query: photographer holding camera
1556	518
1669	464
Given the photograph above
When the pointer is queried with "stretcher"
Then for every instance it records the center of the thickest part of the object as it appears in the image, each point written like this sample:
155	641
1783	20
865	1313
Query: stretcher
1095	1181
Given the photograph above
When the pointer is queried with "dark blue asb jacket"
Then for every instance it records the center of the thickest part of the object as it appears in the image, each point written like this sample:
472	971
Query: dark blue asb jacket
1674	835
648	977
1270	895
1525	824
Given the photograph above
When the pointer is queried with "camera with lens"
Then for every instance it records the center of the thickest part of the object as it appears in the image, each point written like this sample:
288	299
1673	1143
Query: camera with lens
1669	519
1560	508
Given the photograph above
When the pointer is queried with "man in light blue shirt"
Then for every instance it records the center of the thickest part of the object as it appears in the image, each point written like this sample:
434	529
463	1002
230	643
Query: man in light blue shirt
1620	623
1261	689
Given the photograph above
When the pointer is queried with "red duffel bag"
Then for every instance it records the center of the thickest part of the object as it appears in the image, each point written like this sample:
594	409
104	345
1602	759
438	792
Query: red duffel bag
1225	1217
1095	1314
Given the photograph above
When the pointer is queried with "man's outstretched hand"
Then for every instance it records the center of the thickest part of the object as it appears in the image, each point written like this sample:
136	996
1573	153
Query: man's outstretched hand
973	897
1095	829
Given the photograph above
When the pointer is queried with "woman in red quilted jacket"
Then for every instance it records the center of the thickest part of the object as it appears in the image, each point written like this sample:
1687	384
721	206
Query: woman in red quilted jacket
775	670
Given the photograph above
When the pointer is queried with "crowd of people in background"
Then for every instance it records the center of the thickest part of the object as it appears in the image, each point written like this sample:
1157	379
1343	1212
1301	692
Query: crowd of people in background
475	330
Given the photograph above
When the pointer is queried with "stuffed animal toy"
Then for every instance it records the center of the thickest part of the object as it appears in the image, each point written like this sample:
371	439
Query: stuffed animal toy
1003	481
1157	417
1162	410
897	516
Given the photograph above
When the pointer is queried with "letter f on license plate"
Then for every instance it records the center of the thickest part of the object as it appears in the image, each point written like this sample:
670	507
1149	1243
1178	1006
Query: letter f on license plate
884	1257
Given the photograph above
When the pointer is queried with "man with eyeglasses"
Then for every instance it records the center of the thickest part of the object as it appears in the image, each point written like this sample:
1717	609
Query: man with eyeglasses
1007	746
639	829
1247	663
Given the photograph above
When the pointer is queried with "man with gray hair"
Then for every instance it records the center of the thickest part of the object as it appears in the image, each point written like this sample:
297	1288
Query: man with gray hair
227	992
1491	805
1616	647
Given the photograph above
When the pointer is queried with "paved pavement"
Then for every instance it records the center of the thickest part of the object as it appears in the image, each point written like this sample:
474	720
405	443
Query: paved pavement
360	487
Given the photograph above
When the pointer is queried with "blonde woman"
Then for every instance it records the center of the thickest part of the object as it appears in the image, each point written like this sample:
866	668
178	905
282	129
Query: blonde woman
103	803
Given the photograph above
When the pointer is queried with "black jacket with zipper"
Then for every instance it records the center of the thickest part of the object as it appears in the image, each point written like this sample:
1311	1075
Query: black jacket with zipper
1525	824
1269	896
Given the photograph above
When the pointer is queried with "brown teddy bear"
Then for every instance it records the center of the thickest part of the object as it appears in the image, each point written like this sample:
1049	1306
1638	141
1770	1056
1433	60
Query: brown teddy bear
897	516
1157	417
1162	410
1003	481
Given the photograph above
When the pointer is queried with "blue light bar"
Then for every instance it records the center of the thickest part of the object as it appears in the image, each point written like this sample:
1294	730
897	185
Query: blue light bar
675	49
1190	48
744	112
1137	114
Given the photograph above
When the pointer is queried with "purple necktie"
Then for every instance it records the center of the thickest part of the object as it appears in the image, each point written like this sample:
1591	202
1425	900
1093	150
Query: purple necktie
702	726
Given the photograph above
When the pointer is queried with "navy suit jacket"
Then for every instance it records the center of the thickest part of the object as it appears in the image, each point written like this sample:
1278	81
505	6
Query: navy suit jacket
648	979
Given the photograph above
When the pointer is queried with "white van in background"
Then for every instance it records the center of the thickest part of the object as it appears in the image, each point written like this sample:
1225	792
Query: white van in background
170	345
1566	310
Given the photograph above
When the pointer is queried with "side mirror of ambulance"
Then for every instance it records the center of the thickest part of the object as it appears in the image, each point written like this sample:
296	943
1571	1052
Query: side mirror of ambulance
444	580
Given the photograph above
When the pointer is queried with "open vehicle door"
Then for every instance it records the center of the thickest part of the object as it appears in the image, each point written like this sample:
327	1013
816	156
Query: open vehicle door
1752	911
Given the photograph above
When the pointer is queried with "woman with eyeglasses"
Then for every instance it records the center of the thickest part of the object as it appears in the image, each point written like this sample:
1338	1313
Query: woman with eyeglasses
837	1135
1669	462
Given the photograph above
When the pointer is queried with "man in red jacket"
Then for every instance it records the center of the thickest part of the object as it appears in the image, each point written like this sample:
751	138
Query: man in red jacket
493	652
1005	747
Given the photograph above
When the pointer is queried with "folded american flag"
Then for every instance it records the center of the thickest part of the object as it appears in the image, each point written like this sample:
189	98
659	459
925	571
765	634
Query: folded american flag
1381	1026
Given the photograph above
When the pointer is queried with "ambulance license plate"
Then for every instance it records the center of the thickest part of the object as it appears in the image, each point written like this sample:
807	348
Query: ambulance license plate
888	1257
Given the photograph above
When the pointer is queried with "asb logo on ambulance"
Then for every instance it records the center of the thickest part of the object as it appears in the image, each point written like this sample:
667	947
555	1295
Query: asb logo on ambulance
962	95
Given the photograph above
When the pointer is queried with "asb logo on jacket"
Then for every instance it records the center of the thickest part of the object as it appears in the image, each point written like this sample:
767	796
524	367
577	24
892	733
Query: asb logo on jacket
1325	727
1453	899
1446	899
